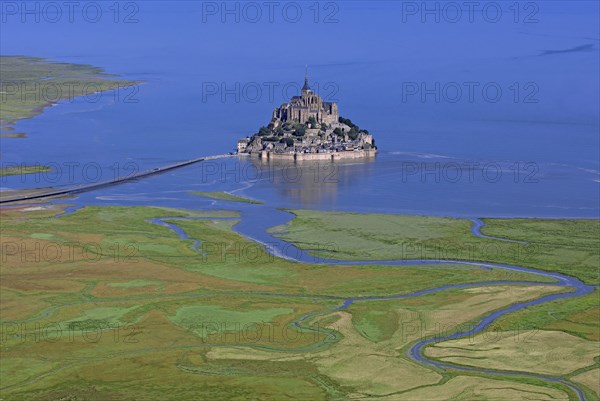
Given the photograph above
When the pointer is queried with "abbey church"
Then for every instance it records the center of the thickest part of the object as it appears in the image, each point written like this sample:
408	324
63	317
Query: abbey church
305	106
307	128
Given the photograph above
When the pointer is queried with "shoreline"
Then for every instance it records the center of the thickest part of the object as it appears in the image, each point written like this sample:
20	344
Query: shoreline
332	156
39	70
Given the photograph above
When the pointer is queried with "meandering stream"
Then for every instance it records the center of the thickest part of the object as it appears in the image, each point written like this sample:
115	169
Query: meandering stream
254	223
255	227
256	220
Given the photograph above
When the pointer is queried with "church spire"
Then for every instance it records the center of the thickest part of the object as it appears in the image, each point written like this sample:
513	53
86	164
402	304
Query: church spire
306	86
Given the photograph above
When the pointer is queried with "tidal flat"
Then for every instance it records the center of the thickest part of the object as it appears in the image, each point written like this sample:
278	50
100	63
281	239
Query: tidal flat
111	292
18	170
568	246
225	196
30	84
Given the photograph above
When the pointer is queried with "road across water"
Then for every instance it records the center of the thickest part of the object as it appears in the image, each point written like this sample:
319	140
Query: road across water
120	180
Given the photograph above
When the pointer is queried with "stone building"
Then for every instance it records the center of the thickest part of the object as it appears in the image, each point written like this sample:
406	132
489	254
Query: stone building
242	145
326	138
305	106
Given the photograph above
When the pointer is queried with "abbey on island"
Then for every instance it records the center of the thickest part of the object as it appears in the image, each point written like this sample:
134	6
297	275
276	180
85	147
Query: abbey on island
307	128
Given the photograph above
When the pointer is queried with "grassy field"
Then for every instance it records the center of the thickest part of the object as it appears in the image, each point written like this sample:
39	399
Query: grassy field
476	388
101	304
590	378
578	316
226	196
7	171
527	351
46	82
575	233
567	246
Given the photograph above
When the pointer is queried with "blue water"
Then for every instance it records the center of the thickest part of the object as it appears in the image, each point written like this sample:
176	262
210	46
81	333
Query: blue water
542	135
534	152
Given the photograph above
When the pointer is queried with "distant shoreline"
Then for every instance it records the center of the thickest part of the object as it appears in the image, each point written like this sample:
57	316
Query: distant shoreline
47	83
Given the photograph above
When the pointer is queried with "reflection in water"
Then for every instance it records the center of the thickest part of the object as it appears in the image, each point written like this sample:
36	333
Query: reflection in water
313	183
392	183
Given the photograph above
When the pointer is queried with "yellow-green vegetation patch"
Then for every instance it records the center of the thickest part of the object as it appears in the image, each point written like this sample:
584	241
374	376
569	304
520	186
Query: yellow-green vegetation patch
577	316
247	353
230	256
202	318
354	236
257	274
590	379
463	388
545	352
226	196
372	228
107	316
579	233
135	237
301	378
17	370
370	368
363	281
132	248
22	170
169	376
204	213
63	80
42	236
433	315
375	321
136	283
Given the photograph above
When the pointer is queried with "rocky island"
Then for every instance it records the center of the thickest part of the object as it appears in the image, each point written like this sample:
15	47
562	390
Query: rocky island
307	128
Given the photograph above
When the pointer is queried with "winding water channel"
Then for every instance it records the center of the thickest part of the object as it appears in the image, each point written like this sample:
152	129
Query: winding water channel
256	229
256	220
